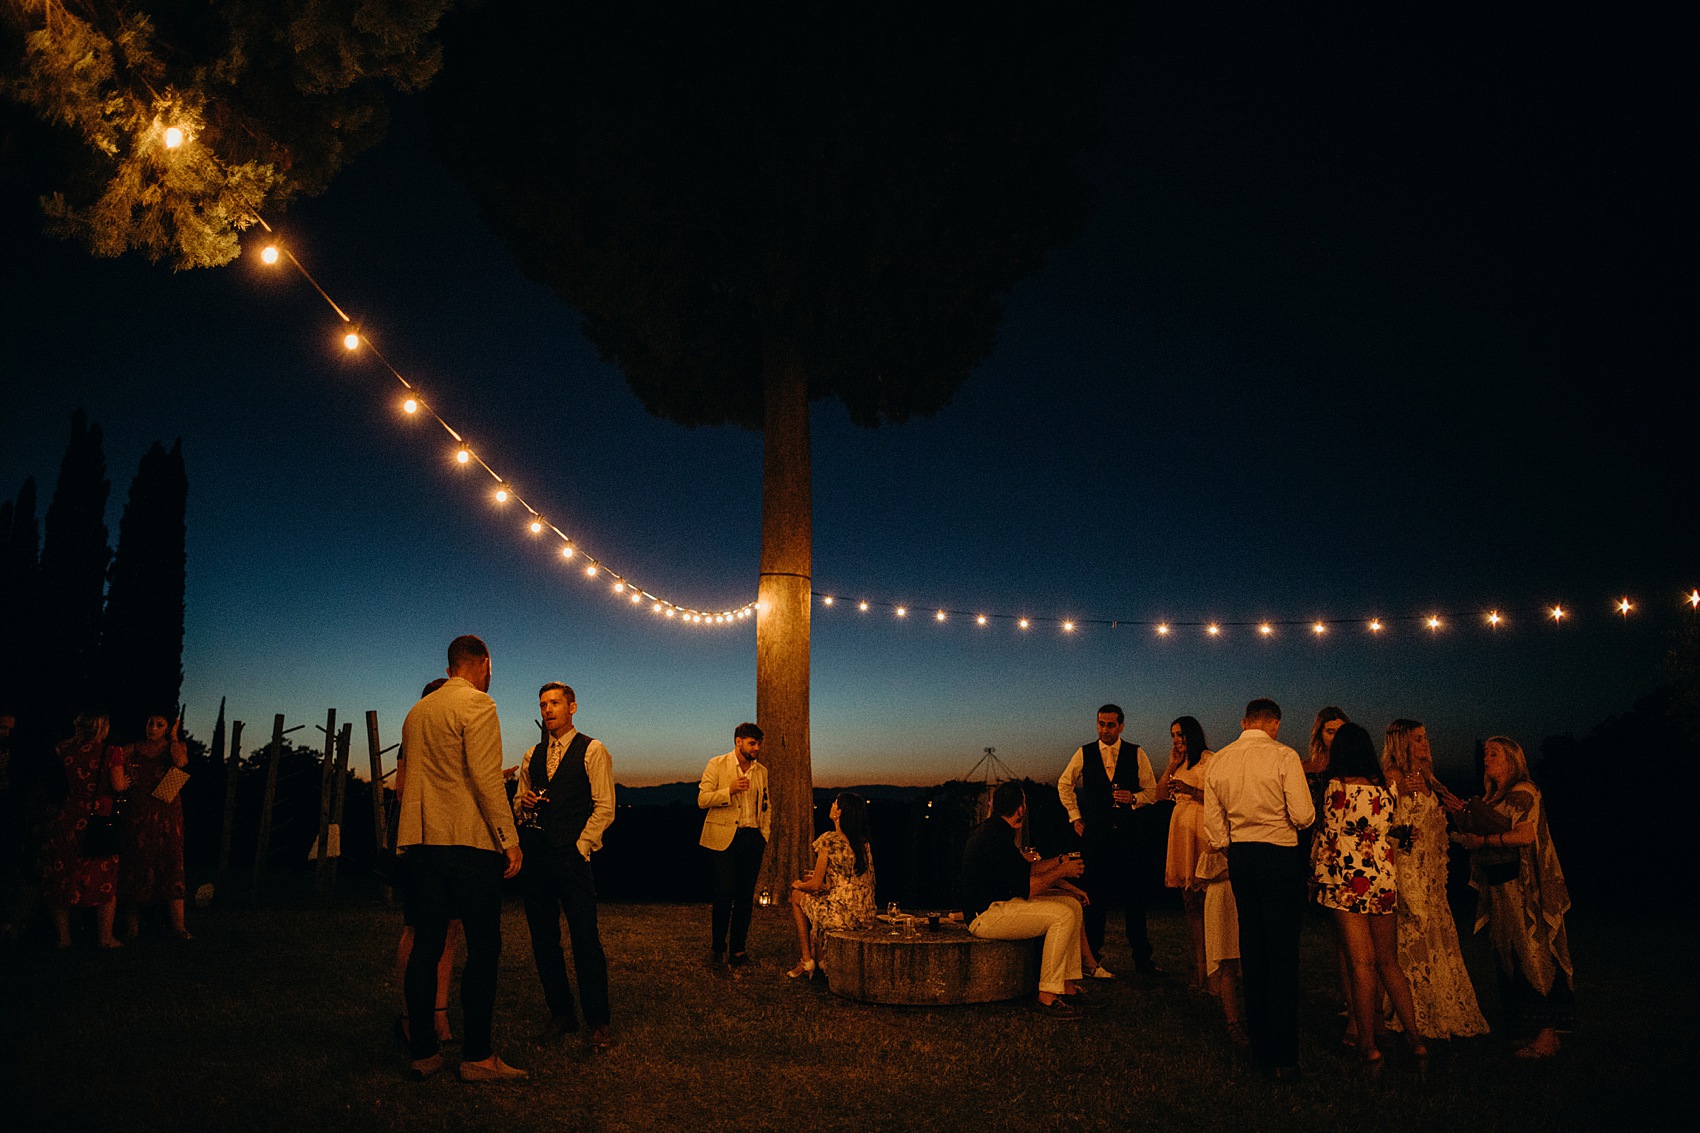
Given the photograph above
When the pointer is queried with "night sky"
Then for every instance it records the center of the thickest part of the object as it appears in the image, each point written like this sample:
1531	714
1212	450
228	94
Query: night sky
1376	315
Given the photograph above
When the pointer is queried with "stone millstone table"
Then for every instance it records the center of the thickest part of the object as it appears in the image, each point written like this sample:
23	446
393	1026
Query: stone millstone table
926	968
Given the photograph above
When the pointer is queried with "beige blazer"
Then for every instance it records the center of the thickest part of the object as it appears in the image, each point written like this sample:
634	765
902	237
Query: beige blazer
714	794
454	795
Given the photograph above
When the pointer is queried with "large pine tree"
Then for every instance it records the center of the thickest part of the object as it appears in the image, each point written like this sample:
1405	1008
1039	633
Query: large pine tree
74	557
142	637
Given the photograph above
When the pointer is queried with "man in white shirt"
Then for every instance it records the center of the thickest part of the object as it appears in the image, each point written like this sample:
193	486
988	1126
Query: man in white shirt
564	803
1105	788
735	830
459	836
1255	804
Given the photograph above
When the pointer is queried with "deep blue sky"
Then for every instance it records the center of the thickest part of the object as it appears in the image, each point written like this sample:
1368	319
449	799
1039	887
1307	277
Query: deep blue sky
1375	317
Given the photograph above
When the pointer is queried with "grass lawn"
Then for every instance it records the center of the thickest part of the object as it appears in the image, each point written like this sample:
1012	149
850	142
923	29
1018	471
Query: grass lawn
280	1019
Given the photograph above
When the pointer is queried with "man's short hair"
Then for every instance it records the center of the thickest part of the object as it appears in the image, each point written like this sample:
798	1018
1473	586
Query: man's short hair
1263	709
565	690
1117	709
466	648
746	731
1008	797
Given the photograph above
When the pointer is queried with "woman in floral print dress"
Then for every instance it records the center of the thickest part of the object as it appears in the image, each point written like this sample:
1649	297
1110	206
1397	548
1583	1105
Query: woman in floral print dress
1352	863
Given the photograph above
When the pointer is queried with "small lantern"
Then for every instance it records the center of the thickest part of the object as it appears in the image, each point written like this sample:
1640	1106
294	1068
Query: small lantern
766	898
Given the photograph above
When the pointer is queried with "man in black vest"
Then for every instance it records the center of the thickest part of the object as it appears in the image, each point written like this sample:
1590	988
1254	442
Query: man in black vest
564	802
1105	788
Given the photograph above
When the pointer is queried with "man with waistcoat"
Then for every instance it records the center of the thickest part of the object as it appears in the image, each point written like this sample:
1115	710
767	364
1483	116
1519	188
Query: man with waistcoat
565	802
1104	788
735	830
1255	804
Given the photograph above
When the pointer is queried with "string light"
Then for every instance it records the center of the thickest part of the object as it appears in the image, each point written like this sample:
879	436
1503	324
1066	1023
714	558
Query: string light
1693	599
980	619
1375	625
1319	629
939	617
411	405
902	612
537	527
1068	627
1556	613
1266	629
502	495
268	254
1624	606
173	137
1214	630
1433	622
826	601
862	606
567	552
463	457
590	571
1023	623
351	341
1162	630
1493	619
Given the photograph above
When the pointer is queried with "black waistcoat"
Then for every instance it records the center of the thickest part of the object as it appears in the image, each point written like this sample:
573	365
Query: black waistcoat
570	802
1097	802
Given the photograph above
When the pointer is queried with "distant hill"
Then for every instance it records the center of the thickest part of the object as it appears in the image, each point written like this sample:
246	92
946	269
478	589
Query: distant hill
685	794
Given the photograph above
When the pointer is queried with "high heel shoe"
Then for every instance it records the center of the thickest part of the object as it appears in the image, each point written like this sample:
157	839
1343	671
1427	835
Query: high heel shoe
805	968
1372	1063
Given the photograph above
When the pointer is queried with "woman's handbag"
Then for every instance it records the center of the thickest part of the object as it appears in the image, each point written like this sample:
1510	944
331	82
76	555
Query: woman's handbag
100	837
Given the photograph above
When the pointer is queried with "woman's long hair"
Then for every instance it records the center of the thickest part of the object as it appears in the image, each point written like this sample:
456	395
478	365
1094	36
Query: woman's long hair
1519	765
87	725
853	820
1353	756
1396	752
1324	717
1193	733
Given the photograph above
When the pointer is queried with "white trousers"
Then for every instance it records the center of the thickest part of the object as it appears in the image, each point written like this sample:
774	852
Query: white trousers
1056	918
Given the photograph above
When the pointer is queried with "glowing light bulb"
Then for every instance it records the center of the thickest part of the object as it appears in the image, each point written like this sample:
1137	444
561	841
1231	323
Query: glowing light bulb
619	588
1319	628
1433	622
1213	630
268	254
410	406
566	552
173	137
351	340
1162	629
655	609
1494	618
1266	629
862	606
590	571
1022	623
902	611
637	597
1375	625
1557	613
1693	599
981	620
1068	627
501	495
1624	605
671	613
463	457
827	601
939	617
537	527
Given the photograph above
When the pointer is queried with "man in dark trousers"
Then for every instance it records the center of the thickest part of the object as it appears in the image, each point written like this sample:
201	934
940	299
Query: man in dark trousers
565	801
1255	804
1106	788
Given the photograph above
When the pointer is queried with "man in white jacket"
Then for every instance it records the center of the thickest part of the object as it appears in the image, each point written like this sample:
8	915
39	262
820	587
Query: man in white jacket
735	830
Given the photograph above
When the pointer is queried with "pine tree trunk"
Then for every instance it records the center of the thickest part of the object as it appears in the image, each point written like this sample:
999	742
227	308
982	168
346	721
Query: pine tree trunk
782	623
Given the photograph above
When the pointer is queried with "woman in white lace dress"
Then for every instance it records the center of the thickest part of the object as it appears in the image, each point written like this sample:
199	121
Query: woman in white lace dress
1428	939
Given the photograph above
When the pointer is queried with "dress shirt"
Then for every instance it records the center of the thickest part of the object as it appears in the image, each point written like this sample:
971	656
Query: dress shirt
599	766
1254	791
1110	754
747	804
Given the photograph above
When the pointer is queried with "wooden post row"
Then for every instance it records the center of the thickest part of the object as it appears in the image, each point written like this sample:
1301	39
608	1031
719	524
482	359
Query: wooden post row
265	839
229	804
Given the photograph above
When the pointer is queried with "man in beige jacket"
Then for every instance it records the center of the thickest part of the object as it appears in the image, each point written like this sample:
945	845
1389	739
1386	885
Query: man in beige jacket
734	793
460	843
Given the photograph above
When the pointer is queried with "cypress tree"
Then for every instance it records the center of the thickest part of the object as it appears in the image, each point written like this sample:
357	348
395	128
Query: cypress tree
74	557
142	637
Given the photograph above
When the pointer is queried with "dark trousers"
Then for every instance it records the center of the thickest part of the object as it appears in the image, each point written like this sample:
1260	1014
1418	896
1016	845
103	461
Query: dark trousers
1268	883
555	881
1115	873
454	883
735	871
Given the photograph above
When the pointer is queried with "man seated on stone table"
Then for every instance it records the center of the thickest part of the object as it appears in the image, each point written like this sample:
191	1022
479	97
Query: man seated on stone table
1008	896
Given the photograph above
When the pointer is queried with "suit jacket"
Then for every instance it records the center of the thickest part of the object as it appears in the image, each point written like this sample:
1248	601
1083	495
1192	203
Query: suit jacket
454	795
714	794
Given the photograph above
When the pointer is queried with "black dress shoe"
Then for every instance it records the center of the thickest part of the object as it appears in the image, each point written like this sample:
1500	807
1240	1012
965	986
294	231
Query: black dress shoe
738	959
558	1027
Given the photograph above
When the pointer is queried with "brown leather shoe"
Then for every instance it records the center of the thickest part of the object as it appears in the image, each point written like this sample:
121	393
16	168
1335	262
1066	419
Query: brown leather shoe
500	1072
422	1068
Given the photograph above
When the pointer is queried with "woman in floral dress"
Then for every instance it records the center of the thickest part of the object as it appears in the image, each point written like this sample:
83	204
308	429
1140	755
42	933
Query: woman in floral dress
839	893
94	773
1352	864
1429	956
151	867
1523	899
